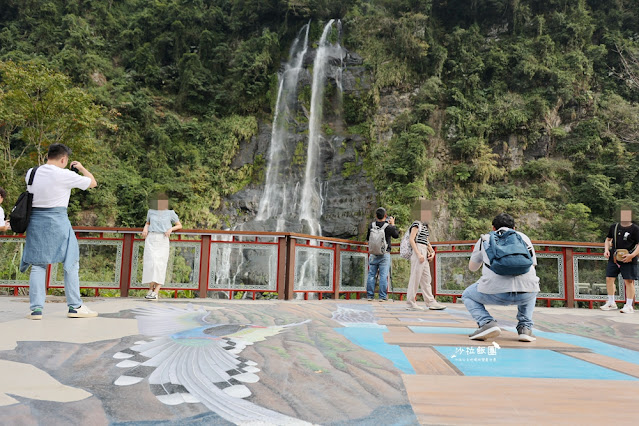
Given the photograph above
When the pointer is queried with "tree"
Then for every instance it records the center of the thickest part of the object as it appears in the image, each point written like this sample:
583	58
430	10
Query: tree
39	107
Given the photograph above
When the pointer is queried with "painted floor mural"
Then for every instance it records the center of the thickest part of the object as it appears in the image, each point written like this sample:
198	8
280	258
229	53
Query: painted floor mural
305	362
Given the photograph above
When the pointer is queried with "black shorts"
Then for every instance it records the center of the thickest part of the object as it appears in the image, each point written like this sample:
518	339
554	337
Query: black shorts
628	270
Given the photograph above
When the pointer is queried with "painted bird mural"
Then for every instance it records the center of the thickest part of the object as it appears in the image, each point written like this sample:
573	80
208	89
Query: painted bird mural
189	360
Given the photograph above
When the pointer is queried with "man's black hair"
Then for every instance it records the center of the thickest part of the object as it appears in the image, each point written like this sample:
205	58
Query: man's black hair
504	219
380	213
3	193
57	151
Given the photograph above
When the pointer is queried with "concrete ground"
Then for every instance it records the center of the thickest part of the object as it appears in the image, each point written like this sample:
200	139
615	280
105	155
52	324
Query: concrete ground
311	362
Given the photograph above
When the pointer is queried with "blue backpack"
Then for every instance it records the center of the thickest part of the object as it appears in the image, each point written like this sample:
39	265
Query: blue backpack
508	253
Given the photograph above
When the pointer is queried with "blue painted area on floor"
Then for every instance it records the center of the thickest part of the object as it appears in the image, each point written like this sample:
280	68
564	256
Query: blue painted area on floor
594	345
435	320
372	339
441	330
527	363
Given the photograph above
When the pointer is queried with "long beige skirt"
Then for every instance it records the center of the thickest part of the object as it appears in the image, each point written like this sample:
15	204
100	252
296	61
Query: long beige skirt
156	257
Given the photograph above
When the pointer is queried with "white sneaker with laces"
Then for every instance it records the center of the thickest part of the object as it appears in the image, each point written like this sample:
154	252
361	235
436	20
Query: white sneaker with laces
436	306
81	312
627	309
609	306
151	296
412	306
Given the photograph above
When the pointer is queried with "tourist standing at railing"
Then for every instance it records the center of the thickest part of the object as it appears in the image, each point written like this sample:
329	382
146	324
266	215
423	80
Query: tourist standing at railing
508	279
160	223
423	253
4	224
379	237
50	238
623	240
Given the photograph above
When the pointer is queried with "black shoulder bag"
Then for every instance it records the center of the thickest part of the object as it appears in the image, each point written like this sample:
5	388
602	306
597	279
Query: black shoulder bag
21	212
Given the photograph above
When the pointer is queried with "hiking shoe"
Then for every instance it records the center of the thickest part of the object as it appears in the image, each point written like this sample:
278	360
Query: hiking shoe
627	309
81	312
382	300
436	306
151	296
486	331
525	334
35	315
609	306
370	299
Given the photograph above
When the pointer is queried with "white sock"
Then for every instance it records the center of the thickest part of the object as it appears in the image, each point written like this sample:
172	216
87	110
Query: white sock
628	302
611	299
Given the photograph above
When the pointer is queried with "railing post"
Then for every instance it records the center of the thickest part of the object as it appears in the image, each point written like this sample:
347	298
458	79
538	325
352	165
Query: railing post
289	280
433	274
205	260
125	271
570	277
336	271
282	251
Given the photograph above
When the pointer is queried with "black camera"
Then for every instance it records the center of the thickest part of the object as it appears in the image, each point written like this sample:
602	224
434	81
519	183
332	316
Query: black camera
74	169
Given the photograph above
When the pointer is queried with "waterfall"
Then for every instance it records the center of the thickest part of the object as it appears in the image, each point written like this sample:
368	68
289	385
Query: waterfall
277	196
311	203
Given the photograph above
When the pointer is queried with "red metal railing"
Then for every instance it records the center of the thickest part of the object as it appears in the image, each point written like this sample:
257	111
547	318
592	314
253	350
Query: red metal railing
289	279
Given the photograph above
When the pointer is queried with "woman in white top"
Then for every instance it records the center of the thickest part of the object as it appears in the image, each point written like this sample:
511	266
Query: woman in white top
423	252
160	223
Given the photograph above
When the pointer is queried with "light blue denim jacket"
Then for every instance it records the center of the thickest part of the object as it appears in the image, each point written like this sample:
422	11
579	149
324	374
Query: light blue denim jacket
50	239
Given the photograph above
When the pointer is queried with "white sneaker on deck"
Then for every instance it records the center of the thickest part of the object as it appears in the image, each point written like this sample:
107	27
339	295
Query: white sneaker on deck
609	306
627	309
81	312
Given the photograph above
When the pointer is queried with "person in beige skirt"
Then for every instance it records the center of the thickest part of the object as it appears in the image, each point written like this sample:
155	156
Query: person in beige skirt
160	223
423	253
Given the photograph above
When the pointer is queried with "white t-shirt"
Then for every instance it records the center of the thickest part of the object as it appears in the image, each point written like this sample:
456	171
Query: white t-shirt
492	283
52	185
1	217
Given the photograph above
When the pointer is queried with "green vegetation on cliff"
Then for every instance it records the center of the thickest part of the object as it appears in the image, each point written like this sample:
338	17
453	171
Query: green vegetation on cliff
527	106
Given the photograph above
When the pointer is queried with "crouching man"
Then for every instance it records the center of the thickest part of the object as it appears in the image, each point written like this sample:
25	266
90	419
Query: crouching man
508	261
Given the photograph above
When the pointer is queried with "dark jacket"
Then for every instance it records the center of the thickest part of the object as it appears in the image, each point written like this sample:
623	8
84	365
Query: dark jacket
390	231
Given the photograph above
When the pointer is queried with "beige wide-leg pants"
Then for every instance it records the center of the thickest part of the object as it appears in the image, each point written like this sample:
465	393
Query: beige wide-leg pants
419	277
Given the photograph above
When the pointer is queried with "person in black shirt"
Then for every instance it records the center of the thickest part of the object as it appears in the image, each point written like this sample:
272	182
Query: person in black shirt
380	262
622	236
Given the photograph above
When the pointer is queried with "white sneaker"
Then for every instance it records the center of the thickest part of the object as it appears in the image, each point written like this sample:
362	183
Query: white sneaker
412	306
609	306
436	306
151	296
627	309
81	312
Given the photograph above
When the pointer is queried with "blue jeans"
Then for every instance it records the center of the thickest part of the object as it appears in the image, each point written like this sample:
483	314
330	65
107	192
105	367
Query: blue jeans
475	301
382	263
38	291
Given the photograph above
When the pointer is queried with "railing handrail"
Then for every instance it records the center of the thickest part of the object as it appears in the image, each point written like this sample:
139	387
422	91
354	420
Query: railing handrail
122	230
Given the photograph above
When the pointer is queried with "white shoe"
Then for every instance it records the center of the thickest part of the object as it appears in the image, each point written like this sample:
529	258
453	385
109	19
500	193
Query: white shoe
436	306
412	306
151	296
609	306
627	309
81	312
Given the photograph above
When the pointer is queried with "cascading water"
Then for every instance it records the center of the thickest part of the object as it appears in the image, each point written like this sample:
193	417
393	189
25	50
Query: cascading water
311	203
292	201
278	194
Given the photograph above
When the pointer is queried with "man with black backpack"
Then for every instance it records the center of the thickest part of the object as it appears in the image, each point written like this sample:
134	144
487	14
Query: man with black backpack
379	246
508	261
50	237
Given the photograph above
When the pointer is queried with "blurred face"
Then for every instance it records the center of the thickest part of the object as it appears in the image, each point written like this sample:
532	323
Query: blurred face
626	216
163	204
423	210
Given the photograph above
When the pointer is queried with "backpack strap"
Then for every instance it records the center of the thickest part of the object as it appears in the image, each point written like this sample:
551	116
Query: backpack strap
32	175
614	236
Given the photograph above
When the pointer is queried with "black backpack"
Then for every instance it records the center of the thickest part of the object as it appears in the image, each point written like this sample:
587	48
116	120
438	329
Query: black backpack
21	212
